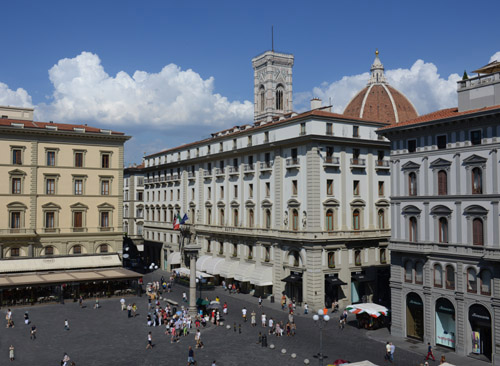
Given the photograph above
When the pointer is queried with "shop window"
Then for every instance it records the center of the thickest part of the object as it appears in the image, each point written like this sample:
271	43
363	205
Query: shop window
408	271
450	278
477	181
331	259
412	184
438	276
442	183
357	257
471	280
485	282
443	230
477	232
413	226
329	220
419	273
49	250
103	248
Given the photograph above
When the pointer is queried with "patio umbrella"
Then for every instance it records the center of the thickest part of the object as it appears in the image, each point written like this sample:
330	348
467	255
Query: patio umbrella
340	362
215	305
179	313
214	302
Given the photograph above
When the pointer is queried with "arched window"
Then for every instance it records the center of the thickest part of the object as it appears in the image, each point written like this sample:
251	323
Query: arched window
268	219
355	220
450	278
295	220
331	259
471	280
104	248
485	282
443	230
250	218
381	219
477	232
49	250
329	220
296	259
357	257
235	250
262	99
477	181
279	98
419	273
221	216
413	229
408	271
442	183
77	249
438	276
209	246
235	217
412	184
221	247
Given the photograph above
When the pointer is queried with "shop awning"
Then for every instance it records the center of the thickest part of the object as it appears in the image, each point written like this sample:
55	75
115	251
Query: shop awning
371	309
262	276
213	265
335	281
201	261
293	278
175	258
187	272
46	278
228	268
244	271
59	263
361	277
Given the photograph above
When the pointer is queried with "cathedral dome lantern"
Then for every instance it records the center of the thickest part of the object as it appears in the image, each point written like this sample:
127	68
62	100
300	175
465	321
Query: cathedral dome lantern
379	101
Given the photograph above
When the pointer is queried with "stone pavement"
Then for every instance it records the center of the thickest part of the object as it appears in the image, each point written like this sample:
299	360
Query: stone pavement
107	337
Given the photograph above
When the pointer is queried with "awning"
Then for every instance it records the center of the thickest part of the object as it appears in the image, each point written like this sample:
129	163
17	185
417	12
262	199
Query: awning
59	263
335	281
175	258
41	279
371	309
491	68
213	265
360	277
187	272
293	278
201	261
228	268
262	276
244	271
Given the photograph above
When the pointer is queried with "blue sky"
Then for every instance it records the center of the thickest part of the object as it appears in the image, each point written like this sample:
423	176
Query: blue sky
172	72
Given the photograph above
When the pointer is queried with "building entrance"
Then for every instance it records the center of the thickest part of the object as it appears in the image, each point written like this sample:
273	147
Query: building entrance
414	316
293	287
480	325
445	323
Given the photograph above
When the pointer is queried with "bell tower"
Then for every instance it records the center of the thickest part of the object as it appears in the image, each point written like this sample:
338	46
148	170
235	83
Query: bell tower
272	85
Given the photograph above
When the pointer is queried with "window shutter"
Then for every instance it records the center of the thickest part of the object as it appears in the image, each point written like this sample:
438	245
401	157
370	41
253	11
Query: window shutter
442	183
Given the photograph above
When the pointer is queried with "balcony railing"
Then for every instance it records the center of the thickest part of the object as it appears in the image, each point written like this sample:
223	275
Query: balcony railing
191	175
358	162
382	164
292	163
207	173
479	80
233	170
331	161
266	165
219	171
249	168
106	228
176	176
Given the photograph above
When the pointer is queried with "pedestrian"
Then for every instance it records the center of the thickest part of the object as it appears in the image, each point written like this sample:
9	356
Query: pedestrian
252	319
283	302
306	308
65	360
129	310
293	328
184	297
213	363
387	351
150	341
134	309
80	301
234	327
244	314
122	303
191	360
33	332
271	323
11	352
26	318
263	319
224	308
8	318
239	327
197	338
66	324
429	352
393	348
96	306
260	301
443	360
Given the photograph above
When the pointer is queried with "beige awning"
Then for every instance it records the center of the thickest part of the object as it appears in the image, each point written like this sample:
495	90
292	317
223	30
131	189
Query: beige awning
491	68
228	268
213	265
262	276
201	261
175	258
244	271
187	272
48	278
59	263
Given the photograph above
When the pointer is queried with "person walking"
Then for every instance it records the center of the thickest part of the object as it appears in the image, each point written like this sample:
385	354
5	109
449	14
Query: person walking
393	348
26	318
306	308
260	301
244	314
80	301
66	324
263	319
150	341
252	319
184	297
224	308
129	310
96	305
11	352
387	356
122	303
33	332
191	360
134	309
429	352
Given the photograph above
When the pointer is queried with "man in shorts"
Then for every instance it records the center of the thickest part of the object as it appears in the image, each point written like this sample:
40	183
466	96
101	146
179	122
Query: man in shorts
191	360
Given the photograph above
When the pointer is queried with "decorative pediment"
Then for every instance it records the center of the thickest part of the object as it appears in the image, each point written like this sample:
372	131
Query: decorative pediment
177	206
475	210
382	203
266	203
441	210
157	206
170	206
51	205
440	163
164	206
192	204
108	206
249	203
358	203
293	202
17	172
331	202
410	166
140	206
208	204
79	205
221	204
18	205
235	203
474	160
411	210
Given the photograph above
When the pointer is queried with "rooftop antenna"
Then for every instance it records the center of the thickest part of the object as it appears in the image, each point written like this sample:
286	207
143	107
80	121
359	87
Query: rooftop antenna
272	38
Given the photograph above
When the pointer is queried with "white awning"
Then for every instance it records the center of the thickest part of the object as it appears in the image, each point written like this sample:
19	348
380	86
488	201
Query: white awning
262	276
228	268
201	261
243	271
213	265
175	258
59	263
186	272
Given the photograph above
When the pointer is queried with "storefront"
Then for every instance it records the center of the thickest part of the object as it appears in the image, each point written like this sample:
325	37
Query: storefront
480	326
361	287
333	291
445	323
293	288
414	316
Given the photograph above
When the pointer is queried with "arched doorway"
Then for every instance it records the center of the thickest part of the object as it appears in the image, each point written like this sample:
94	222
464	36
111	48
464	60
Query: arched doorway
445	323
414	316
480	325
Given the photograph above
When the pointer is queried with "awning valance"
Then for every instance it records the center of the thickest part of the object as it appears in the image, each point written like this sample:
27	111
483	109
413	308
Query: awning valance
228	268
335	281
213	265
293	278
244	271
175	258
59	263
262	276
361	277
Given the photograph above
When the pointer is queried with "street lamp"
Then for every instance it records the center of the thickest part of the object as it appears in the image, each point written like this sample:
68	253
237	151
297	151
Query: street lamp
320	320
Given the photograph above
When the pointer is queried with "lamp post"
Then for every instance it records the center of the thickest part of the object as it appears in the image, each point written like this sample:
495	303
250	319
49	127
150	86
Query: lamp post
321	319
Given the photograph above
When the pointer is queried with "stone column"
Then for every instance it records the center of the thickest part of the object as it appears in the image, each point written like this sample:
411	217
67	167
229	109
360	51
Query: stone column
192	283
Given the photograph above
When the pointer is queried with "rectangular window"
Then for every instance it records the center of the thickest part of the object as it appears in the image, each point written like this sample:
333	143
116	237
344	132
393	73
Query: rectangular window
412	146
355	131
221	147
14	252
50	186
329	129
16	156
250	190
49	220
105	161
329	187
209	193
266	137
268	189
249	141
172	195
380	188
234	144
78	186
221	192
355	154
294	187
140	196
78	159
192	193
78	219
267	158
105	188
302	129
51	158
355	187
294	153
475	137
104	219
178	194
16	185
441	142
235	191
15	220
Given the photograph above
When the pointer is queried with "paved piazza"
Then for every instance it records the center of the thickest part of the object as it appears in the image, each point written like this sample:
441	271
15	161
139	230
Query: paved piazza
107	337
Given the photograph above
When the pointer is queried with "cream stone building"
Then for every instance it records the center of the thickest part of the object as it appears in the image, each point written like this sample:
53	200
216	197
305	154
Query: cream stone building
61	194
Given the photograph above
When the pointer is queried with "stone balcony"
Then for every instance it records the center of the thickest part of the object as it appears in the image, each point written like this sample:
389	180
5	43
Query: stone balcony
382	164
293	163
331	161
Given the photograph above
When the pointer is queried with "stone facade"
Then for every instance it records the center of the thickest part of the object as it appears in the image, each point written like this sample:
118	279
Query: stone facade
133	203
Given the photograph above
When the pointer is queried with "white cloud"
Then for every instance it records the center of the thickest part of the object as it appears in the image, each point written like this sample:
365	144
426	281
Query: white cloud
18	98
83	91
495	57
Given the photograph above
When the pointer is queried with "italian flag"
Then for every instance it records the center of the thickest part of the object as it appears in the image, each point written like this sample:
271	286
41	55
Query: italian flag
177	222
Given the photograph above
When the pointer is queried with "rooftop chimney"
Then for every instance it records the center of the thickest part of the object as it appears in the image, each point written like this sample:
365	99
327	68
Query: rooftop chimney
315	103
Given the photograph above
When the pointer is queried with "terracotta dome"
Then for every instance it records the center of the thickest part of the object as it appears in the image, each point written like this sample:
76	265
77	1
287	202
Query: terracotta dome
379	101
